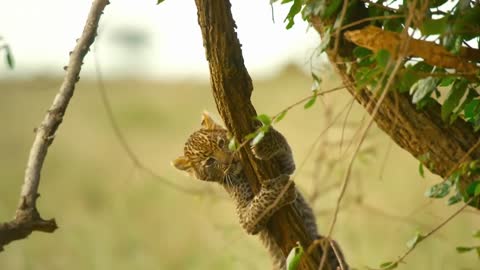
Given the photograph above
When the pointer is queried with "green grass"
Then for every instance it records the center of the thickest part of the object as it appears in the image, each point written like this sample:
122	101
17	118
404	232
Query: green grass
114	216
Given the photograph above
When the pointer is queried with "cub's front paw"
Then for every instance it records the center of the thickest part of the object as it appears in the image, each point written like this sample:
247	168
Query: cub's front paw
267	147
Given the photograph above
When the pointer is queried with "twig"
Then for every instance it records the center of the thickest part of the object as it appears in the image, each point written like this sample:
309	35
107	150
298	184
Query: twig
373	18
321	93
123	141
314	144
464	157
339	29
346	179
27	219
344	124
434	230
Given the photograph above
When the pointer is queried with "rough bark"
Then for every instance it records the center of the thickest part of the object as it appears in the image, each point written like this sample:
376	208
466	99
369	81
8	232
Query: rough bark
417	131
232	88
27	218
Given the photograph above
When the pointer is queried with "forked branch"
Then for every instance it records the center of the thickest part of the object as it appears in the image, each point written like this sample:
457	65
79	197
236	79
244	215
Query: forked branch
27	218
232	88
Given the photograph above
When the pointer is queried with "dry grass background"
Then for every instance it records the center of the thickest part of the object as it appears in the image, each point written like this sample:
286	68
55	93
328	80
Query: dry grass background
114	216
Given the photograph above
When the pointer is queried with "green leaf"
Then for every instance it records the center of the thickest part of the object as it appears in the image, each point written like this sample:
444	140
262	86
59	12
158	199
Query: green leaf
294	10
457	45
415	240
464	249
333	6
439	190
472	109
420	170
232	144
293	258
423	88
311	101
388	265
265	119
251	135
9	57
447	81
468	19
407	80
437	3
258	138
382	57
160	1
454	199
434	27
360	52
473	189
280	116
453	98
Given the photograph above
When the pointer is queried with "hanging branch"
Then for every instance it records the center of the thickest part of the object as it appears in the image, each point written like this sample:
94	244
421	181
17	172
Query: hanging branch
27	218
232	88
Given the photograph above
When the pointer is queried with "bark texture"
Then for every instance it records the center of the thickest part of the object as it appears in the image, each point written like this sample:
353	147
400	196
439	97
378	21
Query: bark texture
417	131
232	89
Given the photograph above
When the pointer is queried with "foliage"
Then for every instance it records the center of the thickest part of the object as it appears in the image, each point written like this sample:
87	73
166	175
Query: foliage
453	25
469	170
293	258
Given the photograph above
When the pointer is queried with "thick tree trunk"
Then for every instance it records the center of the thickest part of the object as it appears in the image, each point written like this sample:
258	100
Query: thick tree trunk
419	132
232	88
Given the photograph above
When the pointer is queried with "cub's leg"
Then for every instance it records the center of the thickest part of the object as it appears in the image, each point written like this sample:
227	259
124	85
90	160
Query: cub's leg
275	146
273	194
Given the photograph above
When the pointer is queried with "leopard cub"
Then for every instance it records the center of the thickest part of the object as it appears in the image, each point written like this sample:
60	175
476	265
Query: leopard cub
206	157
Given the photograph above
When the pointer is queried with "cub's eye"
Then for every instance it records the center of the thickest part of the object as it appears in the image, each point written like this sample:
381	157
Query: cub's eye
210	161
221	143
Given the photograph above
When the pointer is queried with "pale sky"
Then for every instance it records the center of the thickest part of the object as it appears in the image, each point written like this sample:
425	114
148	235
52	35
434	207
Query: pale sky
41	33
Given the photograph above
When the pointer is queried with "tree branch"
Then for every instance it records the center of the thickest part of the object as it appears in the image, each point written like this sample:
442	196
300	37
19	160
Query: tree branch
232	88
375	39
418	132
27	218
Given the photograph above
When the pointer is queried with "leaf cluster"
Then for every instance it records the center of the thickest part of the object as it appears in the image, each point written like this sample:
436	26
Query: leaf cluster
454	25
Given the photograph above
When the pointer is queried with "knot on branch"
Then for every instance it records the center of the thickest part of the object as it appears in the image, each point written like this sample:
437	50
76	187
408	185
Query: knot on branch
27	219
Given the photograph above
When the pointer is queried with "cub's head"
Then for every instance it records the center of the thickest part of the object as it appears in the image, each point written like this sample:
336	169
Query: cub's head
206	155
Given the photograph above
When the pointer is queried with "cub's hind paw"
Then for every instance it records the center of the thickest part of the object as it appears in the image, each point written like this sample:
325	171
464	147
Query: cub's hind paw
271	145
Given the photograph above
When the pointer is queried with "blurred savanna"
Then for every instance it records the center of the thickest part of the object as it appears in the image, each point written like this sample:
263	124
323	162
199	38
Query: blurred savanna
112	214
119	204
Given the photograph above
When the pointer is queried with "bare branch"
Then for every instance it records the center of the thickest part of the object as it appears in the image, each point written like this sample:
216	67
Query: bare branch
27	219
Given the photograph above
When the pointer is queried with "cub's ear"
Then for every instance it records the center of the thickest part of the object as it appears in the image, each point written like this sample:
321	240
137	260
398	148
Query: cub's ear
182	164
208	122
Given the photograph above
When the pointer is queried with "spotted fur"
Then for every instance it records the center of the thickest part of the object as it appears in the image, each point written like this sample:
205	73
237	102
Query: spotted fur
207	158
